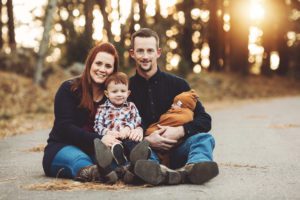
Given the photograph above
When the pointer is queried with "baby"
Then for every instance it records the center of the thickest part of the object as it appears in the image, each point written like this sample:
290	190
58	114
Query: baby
181	112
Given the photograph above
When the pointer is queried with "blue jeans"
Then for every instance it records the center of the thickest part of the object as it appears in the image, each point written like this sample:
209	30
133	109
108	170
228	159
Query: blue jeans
195	149
68	161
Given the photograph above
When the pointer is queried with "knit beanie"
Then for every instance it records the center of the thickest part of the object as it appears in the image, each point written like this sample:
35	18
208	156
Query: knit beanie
187	99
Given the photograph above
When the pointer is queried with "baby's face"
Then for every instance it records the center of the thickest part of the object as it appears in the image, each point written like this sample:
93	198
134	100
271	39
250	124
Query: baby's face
117	93
176	105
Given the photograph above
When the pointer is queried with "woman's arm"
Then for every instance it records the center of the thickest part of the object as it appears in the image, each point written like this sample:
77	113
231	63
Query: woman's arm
67	120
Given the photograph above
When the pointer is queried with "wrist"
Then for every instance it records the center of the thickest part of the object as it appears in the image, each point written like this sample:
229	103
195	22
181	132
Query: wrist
181	131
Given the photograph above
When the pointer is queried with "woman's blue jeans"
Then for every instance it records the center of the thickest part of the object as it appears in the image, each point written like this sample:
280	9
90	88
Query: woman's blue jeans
68	161
195	149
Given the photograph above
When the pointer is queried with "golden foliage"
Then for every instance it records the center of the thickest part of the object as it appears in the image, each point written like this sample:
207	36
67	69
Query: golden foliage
26	107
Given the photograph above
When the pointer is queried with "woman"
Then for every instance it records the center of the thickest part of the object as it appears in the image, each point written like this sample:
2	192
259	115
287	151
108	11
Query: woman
70	149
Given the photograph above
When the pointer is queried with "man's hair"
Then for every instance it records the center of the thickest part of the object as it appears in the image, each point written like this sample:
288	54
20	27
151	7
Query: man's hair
117	77
144	33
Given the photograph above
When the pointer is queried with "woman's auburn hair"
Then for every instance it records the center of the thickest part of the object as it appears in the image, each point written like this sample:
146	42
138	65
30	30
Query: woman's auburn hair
83	84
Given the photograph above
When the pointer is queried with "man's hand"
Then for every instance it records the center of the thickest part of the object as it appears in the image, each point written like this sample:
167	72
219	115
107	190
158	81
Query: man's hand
173	133
136	134
110	139
158	142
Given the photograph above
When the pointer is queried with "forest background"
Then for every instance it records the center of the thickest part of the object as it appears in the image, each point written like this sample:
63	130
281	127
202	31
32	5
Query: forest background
228	50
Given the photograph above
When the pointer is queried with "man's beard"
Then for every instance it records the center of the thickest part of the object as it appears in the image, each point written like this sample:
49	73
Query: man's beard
146	70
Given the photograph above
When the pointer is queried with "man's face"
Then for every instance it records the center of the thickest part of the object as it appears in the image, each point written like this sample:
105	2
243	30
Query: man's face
145	54
117	93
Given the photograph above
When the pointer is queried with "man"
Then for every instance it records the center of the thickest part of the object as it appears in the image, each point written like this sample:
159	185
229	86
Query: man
153	92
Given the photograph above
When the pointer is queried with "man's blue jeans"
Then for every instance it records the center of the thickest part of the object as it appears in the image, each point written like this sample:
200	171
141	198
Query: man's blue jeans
195	149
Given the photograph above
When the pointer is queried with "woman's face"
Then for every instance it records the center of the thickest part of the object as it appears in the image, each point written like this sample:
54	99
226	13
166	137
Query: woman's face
102	67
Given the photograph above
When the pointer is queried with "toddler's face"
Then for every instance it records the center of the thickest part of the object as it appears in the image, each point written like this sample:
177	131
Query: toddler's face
117	93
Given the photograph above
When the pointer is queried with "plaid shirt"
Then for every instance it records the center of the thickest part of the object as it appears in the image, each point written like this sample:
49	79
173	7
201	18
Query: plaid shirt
110	117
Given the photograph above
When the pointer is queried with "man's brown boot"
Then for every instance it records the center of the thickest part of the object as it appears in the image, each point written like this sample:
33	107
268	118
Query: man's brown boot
155	174
140	152
199	173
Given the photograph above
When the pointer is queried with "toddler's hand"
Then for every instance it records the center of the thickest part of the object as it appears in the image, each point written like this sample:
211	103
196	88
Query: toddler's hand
136	134
124	132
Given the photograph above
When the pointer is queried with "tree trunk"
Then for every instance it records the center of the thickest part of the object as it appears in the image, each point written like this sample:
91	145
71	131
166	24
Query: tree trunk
142	20
106	22
1	24
239	37
45	40
186	43
11	26
215	36
270	30
88	31
283	27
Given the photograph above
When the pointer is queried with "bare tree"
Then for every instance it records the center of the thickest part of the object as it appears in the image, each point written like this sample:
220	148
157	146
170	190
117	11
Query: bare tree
283	27
142	20
215	36
238	37
185	41
1	24
45	40
106	22
88	31
11	26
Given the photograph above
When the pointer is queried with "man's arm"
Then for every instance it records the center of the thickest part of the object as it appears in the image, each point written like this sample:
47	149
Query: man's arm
201	122
157	141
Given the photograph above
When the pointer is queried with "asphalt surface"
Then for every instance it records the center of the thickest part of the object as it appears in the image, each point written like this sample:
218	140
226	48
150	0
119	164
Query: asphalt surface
257	148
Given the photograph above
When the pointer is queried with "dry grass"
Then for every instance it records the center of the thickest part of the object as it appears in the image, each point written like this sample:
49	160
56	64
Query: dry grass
69	185
213	87
284	126
234	165
24	106
38	148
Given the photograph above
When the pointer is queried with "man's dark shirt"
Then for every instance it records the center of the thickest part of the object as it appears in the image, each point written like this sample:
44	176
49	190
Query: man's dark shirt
155	96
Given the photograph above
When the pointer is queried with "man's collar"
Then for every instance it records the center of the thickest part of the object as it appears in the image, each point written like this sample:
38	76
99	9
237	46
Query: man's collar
151	79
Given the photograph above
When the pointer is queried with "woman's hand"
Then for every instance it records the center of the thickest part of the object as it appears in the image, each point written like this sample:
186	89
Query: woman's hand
136	134
110	139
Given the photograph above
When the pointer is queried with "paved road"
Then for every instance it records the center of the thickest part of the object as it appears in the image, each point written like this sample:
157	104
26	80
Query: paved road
258	150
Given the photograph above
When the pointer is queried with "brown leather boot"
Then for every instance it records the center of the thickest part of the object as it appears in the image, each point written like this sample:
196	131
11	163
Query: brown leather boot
155	174
199	173
89	174
140	152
